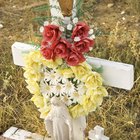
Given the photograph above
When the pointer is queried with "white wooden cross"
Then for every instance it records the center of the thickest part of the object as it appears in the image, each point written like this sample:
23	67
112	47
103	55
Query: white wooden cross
115	74
20	134
97	134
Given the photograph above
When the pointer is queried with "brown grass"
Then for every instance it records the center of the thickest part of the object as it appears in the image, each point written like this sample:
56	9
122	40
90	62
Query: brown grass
119	41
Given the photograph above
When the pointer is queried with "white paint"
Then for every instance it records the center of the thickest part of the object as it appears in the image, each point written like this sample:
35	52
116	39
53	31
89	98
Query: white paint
18	51
20	134
79	126
55	10
115	74
10	132
97	134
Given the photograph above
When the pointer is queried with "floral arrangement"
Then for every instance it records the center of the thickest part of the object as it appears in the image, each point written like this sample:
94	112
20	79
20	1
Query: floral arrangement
59	68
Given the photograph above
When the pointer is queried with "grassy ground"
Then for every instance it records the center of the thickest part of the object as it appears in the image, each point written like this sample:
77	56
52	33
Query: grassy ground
119	40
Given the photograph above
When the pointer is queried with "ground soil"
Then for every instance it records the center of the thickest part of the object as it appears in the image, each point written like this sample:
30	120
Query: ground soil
17	16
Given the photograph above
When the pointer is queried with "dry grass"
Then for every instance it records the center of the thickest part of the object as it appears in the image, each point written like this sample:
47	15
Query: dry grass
135	5
120	112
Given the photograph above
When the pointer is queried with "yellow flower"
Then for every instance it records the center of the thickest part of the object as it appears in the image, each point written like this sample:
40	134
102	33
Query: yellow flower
33	87
77	111
81	71
66	72
33	59
98	95
51	63
88	105
32	75
44	111
38	100
93	80
36	56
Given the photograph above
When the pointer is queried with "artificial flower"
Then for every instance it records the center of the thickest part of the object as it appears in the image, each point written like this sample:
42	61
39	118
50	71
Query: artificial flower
47	52
69	27
46	23
52	64
58	89
81	88
65	72
69	88
52	77
91	31
80	30
81	71
77	111
32	75
75	20
44	111
61	48
33	87
45	89
74	58
41	29
83	45
38	100
76	97
93	80
51	33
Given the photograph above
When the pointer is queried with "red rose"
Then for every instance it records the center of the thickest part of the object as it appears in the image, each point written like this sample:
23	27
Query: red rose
61	49
80	30
44	43
51	33
47	52
84	45
74	58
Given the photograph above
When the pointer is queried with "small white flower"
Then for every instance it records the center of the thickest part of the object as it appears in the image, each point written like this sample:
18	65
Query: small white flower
81	89
75	20
58	89
61	29
91	31
69	27
52	77
75	96
41	29
92	36
64	80
91	48
45	89
76	39
69	87
46	23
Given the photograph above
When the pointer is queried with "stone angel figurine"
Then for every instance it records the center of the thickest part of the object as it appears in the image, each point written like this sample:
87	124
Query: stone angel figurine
59	122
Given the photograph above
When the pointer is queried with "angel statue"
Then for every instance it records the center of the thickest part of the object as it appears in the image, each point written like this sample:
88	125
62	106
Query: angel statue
59	122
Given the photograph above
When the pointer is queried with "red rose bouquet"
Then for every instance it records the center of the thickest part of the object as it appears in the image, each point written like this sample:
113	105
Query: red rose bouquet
69	42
